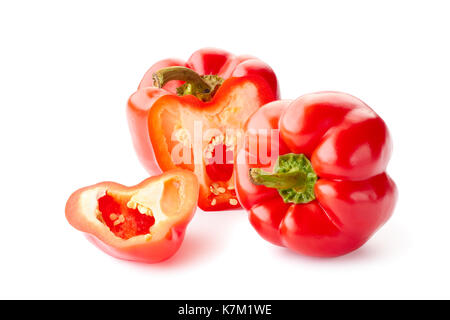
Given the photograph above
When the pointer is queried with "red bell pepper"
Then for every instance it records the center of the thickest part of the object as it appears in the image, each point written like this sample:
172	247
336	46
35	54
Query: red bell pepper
144	223
324	191
213	88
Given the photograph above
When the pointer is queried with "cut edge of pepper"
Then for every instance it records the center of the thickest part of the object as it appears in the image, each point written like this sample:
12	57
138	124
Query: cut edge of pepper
157	206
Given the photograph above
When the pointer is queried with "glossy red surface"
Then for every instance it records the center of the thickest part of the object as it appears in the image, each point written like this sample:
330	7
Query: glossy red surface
349	147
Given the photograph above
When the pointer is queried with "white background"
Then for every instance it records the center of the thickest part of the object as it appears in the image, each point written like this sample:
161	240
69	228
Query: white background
67	69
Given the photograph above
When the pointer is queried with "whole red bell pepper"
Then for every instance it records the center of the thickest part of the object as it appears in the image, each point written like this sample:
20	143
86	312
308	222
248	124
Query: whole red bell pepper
144	223
214	89
323	189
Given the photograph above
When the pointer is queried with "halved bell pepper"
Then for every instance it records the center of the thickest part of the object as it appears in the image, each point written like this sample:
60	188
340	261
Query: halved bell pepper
143	223
322	189
215	92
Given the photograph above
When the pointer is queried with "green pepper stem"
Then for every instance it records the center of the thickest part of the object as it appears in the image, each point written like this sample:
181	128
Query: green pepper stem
164	75
280	180
293	176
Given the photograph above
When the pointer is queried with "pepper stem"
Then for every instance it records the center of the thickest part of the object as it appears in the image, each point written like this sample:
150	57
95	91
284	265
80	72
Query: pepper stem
293	176
203	87
164	75
281	180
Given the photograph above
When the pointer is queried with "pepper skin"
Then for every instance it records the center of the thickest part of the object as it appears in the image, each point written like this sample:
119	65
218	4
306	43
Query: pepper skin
155	112
143	223
348	146
216	62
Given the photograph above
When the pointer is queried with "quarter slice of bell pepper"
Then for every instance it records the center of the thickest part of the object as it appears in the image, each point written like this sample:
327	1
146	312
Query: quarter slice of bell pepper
214	90
143	223
324	191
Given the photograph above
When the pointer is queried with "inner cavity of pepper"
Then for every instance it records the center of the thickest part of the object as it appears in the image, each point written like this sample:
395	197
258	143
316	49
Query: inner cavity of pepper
126	219
218	157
